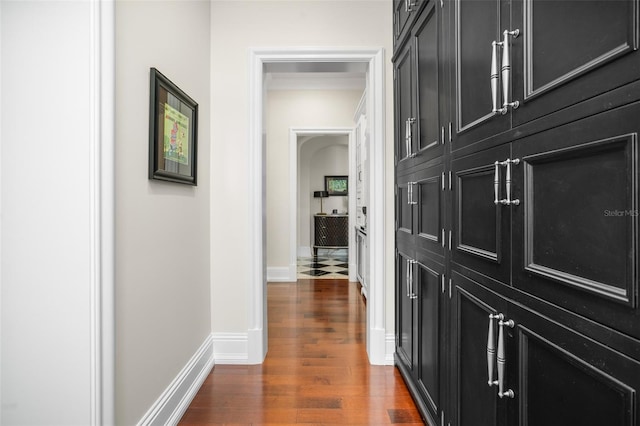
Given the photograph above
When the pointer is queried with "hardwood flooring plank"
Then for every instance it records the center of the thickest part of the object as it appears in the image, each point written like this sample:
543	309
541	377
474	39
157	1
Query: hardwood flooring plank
316	371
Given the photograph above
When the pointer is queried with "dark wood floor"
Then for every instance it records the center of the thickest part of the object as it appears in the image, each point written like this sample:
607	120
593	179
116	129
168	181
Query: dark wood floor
316	370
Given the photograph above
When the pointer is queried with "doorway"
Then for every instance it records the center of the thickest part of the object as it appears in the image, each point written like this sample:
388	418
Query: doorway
373	58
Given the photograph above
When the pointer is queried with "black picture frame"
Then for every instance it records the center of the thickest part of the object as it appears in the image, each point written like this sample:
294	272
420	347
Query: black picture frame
336	185
173	132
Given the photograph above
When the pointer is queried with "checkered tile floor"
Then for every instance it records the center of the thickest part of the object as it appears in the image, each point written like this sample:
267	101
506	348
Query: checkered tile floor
330	266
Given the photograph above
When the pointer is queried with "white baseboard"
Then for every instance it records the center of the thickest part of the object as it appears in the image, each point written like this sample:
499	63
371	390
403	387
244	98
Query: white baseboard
175	400
281	274
390	344
231	348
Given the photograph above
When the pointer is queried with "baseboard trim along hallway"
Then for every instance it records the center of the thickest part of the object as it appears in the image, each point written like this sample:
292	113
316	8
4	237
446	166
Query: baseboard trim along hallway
171	405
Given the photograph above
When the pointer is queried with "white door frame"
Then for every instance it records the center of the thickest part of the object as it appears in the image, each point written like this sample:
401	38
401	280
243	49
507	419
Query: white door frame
257	312
294	133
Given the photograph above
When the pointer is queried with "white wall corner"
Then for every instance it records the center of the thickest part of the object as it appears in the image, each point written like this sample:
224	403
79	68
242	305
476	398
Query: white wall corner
175	400
231	348
281	274
304	251
390	351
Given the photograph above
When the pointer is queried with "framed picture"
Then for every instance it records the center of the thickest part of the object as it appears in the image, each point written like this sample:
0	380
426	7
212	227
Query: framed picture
336	185
173	130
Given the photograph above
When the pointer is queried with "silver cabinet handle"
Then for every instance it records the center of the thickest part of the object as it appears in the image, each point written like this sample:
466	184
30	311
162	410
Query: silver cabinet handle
409	193
494	78
413	200
491	349
506	71
502	360
408	137
407	278
496	183
409	5
412	294
509	183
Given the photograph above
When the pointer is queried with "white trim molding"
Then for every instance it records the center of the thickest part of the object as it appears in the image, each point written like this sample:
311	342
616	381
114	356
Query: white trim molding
294	134
102	217
390	349
374	58
174	401
231	348
281	274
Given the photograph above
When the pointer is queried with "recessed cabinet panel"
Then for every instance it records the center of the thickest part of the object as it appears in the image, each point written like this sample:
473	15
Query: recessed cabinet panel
576	229
426	42
476	402
405	118
477	24
429	214
474	59
569	51
430	208
481	238
406	311
573	232
602	30
478	231
404	209
429	280
561	377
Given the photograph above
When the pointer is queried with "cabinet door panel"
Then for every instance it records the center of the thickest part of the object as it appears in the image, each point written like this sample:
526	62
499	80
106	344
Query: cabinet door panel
429	215
402	17
425	36
477	25
406	313
404	106
429	279
404	210
476	403
481	237
564	378
576	230
571	51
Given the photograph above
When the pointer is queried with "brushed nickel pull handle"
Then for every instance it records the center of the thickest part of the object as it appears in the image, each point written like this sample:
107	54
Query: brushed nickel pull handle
413	201
412	294
491	350
506	71
494	79
407	278
509	183
408	137
496	183
409	193
502	360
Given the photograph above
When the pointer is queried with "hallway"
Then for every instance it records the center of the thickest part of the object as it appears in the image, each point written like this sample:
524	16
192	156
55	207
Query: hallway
316	370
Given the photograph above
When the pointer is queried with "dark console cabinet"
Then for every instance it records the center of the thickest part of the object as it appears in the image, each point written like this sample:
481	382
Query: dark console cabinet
330	231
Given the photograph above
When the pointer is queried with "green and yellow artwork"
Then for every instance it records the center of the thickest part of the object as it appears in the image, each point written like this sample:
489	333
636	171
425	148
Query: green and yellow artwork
176	135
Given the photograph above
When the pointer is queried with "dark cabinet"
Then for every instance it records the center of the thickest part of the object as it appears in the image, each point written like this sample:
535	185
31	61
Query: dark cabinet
518	61
517	179
513	364
330	231
420	352
419	96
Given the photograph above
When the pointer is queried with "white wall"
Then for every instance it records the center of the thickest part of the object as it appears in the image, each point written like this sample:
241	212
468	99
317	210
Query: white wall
238	26
319	157
48	233
300	109
162	229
